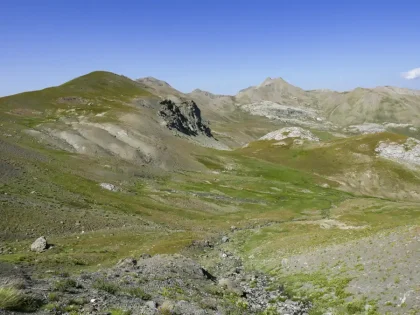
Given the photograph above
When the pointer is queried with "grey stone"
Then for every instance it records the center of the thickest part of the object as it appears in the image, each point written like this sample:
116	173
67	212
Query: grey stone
151	304
109	187
39	245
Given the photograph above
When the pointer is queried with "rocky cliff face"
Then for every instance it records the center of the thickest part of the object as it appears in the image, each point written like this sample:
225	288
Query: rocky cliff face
184	117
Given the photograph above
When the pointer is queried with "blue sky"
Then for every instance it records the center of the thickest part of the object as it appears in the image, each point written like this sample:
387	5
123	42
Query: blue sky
220	46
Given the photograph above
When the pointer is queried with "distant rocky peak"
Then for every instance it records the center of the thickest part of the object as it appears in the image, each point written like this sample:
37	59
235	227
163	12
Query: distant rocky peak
270	80
207	94
201	92
184	117
267	81
152	80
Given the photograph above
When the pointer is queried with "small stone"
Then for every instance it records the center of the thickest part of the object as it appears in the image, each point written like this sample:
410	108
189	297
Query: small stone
39	245
92	300
109	187
225	239
151	304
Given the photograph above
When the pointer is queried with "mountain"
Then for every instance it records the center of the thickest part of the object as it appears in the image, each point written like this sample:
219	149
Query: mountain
275	90
107	115
227	119
218	101
140	199
161	88
361	105
377	105
98	85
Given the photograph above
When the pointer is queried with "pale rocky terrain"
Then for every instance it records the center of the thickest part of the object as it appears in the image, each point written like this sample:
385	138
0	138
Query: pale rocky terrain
290	132
407	153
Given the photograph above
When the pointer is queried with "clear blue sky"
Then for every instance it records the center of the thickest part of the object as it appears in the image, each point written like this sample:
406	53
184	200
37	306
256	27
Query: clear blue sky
220	46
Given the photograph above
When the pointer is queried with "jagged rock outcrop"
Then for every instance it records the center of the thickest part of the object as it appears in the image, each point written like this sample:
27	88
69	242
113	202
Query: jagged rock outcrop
184	117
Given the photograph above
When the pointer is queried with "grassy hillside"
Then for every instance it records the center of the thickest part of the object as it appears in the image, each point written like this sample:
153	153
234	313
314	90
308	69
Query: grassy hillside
313	216
350	163
281	210
93	93
98	85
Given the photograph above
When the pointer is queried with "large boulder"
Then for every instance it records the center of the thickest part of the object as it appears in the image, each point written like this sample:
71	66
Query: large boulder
39	245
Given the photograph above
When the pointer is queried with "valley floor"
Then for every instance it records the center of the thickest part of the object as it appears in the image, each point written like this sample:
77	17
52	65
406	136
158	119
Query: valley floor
337	251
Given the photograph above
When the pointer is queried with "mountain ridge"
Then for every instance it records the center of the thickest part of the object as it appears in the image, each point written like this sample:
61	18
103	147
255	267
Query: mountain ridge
151	79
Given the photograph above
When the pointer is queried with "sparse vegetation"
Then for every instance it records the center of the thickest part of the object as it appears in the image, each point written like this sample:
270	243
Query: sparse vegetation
13	300
120	312
106	286
139	292
53	297
65	285
166	308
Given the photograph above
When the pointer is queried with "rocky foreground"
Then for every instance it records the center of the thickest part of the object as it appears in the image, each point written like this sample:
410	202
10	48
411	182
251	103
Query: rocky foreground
162	284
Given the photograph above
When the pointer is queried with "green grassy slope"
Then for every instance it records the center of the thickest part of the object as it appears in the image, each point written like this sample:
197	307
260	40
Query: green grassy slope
92	93
350	162
57	194
93	86
280	208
